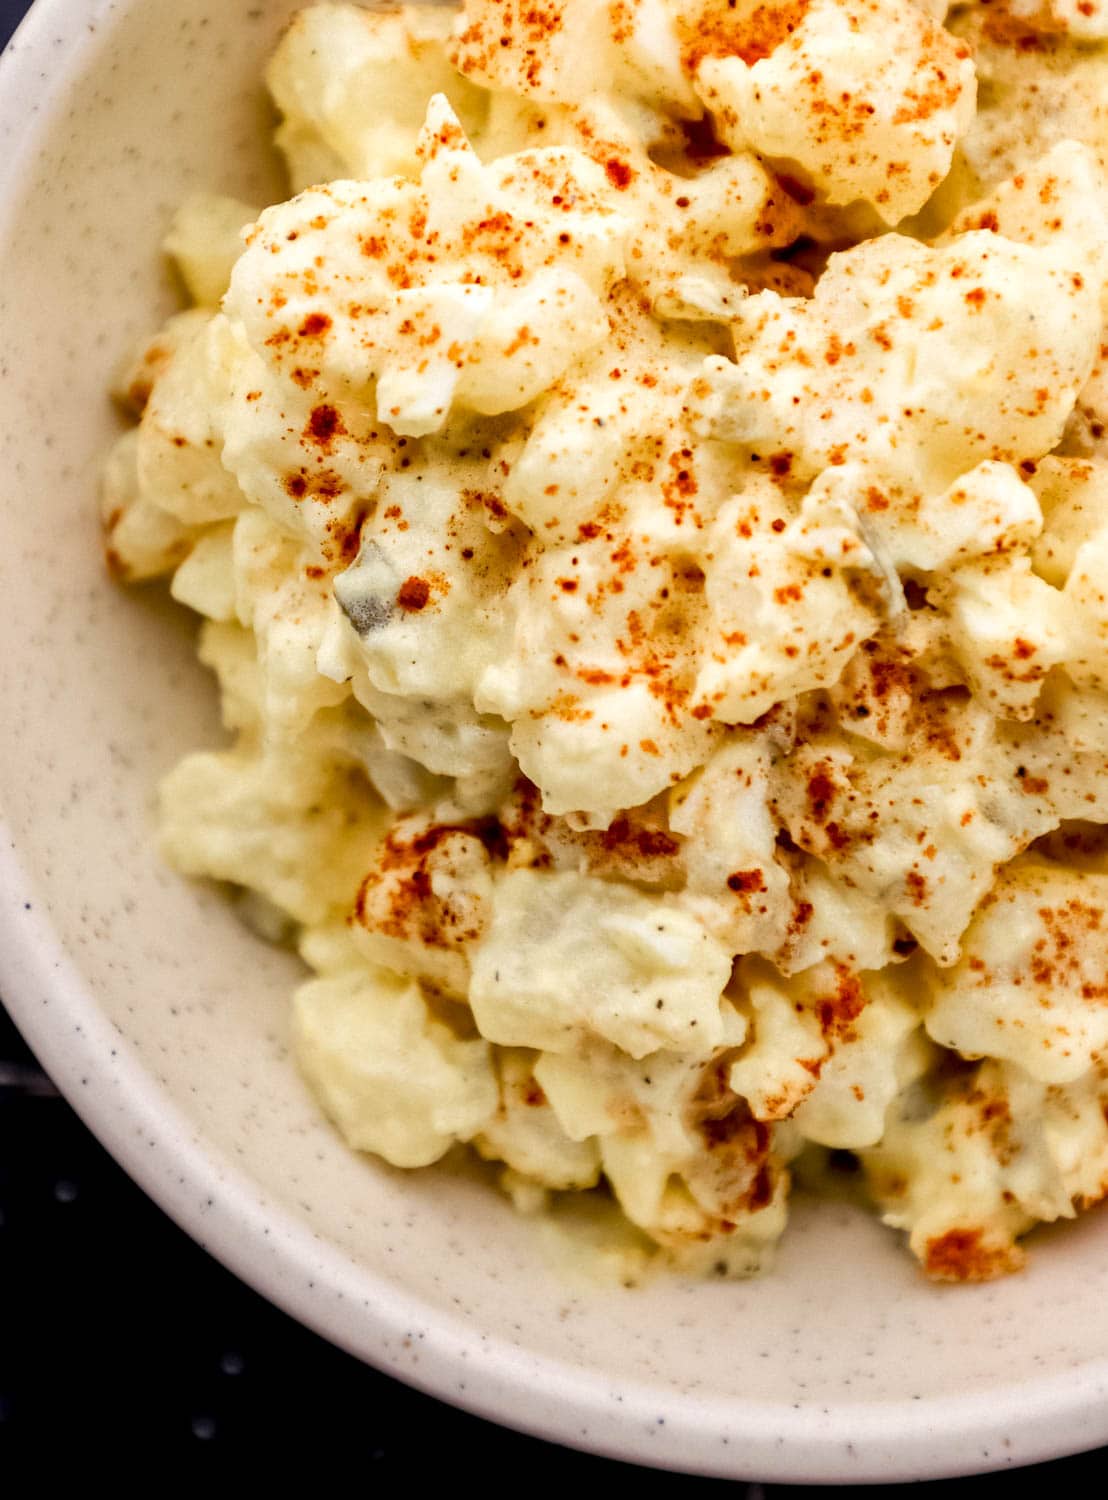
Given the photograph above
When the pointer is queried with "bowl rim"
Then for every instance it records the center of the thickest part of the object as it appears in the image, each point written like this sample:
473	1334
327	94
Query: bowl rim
230	1216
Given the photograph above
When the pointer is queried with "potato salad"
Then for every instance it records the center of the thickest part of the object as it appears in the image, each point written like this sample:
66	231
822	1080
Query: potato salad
646	497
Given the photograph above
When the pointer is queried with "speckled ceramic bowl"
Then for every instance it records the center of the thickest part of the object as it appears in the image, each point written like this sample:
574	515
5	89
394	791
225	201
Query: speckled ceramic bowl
165	1023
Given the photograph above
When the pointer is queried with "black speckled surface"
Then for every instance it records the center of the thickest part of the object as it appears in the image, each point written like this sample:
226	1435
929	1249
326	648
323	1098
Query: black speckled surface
113	1322
116	1330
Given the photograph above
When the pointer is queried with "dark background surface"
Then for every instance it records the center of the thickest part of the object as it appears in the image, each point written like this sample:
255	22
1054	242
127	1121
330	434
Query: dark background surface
119	1335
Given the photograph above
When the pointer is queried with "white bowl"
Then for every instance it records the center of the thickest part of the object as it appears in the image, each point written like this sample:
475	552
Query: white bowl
165	1023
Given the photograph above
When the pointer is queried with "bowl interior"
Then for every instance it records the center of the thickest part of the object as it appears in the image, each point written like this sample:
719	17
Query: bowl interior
166	1022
